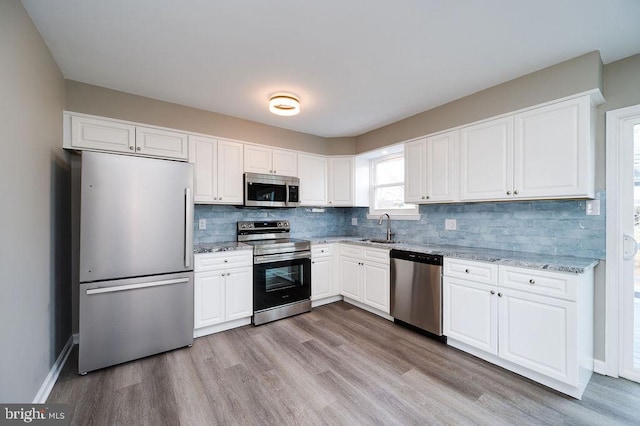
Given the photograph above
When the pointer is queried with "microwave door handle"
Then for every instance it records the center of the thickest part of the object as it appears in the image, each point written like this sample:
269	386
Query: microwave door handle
286	194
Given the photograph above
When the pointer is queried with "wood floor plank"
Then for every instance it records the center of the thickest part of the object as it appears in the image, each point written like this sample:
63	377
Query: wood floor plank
338	365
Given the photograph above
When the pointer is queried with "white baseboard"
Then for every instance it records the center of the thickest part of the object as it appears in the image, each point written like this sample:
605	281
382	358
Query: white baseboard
52	377
600	367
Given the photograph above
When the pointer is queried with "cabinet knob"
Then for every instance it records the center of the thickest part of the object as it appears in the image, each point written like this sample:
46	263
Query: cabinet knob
138	149
225	261
493	292
499	294
466	271
131	148
423	197
515	192
427	197
220	198
312	262
532	281
508	192
274	171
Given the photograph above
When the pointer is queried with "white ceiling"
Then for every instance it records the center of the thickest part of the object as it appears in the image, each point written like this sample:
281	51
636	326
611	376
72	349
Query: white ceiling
356	64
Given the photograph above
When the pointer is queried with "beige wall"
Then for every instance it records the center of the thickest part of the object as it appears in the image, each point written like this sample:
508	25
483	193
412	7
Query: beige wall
35	300
567	78
89	99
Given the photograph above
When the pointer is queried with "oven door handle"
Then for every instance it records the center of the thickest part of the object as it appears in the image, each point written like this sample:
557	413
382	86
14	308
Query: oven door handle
281	257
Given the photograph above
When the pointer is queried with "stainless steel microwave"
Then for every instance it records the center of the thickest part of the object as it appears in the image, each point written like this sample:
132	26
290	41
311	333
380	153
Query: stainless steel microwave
263	190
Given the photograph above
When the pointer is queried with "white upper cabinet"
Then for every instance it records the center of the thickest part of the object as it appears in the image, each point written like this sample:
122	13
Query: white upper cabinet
486	160
102	135
260	159
115	136
545	152
218	170
230	171
432	169
285	163
415	160
312	171
161	143
554	151
341	181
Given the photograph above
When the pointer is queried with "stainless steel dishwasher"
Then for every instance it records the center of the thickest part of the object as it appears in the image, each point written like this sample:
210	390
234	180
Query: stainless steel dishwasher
416	291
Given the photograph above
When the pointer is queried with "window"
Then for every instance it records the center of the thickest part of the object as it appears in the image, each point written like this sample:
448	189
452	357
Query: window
387	188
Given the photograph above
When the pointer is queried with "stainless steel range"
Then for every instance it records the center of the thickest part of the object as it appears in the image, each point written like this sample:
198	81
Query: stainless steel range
281	270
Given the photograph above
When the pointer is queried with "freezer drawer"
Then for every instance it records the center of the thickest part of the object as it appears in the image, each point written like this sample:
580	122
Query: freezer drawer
123	320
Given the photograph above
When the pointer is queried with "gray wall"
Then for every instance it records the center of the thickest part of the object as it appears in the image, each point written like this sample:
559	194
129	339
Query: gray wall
35	305
566	78
89	99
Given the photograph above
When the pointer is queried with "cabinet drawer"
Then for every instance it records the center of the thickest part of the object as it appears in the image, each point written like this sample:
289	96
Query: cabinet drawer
321	250
223	260
376	255
349	250
475	271
555	284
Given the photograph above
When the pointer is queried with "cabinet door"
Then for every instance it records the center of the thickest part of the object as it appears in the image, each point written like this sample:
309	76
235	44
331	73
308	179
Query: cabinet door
470	313
312	171
230	170
350	277
375	279
239	293
102	135
161	143
257	159
321	277
203	153
285	163
442	167
209	298
539	333
553	152
486	167
415	157
341	181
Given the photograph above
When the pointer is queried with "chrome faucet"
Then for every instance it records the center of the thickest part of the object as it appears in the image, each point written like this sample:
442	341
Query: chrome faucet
388	224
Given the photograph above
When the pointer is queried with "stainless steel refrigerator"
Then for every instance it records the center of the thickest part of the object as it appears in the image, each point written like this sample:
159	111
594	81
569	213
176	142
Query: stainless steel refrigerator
135	258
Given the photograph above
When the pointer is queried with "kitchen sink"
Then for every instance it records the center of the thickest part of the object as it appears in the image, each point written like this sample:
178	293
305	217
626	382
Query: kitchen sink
370	240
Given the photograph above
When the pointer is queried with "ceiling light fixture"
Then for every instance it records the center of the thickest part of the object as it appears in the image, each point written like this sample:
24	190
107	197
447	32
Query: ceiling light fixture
284	104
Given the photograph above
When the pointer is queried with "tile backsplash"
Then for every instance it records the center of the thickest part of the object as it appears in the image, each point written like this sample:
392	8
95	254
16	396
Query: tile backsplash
549	226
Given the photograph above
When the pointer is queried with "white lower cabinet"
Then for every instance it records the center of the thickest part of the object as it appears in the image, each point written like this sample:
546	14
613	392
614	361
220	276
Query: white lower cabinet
364	277
324	285
510	319
223	291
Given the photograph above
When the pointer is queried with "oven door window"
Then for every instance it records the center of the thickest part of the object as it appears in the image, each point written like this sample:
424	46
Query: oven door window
281	282
266	192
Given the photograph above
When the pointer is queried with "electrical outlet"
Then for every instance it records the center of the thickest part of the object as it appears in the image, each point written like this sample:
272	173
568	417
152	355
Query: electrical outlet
450	224
202	224
593	208
354	220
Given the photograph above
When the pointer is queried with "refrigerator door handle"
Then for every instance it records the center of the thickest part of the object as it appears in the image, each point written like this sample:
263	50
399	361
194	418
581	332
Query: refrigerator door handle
135	286
188	231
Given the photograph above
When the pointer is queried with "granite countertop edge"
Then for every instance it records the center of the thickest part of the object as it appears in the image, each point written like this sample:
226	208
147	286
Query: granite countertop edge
203	248
570	264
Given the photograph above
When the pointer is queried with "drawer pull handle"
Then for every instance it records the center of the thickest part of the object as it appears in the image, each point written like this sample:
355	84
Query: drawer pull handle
225	261
466	271
493	292
532	281
499	294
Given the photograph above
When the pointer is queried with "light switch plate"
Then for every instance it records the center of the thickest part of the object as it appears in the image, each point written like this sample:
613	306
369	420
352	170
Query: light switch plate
202	224
450	224
354	220
593	207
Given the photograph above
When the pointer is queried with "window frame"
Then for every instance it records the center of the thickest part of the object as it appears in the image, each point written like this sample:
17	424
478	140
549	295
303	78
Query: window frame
396	214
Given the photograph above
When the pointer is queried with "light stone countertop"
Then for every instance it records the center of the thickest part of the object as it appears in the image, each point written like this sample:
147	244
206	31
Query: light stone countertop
571	264
220	246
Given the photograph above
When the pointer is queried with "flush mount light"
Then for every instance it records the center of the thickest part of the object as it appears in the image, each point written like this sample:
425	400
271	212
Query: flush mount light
284	104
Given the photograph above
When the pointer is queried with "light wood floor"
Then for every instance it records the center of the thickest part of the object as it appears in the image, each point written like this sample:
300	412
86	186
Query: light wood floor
335	365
